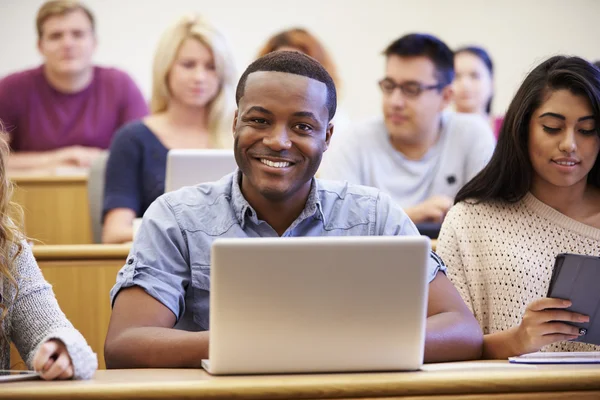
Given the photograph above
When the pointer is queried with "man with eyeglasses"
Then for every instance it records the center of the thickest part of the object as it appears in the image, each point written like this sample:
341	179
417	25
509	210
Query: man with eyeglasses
418	153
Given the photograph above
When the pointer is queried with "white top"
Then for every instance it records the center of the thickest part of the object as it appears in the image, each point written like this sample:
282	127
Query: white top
500	257
365	156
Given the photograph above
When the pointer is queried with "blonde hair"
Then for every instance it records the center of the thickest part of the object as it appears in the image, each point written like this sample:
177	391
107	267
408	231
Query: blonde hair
10	234
60	7
221	107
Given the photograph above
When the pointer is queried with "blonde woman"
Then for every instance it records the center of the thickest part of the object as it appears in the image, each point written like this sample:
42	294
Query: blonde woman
29	314
191	107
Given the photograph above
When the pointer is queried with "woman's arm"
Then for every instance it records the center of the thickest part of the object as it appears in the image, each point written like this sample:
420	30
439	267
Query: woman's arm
37	318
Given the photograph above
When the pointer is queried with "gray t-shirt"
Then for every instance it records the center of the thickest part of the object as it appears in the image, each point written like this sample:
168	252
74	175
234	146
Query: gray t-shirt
365	156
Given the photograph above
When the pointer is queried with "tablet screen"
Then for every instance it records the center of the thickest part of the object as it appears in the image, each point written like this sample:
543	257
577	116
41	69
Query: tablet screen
13	375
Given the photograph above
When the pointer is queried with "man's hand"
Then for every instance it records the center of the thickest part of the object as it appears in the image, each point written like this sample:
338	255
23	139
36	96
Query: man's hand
433	209
78	156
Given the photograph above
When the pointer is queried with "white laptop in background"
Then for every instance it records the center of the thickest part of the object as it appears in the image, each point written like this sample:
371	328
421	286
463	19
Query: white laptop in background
317	304
191	167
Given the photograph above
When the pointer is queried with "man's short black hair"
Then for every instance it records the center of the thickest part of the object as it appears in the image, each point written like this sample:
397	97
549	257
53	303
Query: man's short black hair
419	44
291	62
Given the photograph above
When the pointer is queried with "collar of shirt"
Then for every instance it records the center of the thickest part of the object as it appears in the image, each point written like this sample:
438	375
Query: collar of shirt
244	211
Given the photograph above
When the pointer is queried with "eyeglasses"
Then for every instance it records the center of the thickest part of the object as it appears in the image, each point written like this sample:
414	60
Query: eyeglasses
409	89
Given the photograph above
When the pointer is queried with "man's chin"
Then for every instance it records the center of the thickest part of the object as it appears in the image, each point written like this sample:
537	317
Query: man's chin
401	135
71	68
275	194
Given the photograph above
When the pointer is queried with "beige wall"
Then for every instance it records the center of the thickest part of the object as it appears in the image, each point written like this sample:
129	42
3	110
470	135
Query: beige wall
518	33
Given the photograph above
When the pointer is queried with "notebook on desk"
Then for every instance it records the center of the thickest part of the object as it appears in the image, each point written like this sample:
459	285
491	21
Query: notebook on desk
188	167
575	357
320	304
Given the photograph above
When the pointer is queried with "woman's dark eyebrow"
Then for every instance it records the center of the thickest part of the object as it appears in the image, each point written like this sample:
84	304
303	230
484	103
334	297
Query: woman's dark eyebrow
551	114
559	116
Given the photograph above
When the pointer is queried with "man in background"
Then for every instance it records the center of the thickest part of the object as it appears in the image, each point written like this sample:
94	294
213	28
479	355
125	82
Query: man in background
64	112
418	153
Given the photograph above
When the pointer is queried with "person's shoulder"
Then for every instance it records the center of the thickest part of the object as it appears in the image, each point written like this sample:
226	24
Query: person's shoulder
344	204
205	207
369	127
134	131
472	210
358	199
342	190
362	134
466	125
21	79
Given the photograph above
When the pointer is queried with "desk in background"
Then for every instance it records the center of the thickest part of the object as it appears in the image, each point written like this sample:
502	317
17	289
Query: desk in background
55	207
82	276
467	381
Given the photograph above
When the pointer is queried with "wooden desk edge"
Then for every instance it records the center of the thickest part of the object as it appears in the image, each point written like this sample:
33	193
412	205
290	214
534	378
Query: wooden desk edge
448	383
80	252
21	179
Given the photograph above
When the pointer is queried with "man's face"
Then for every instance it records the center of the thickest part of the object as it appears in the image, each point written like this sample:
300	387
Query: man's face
281	130
67	43
413	113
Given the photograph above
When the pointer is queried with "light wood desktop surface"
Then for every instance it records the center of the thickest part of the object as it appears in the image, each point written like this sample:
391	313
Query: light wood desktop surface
82	276
468	380
55	207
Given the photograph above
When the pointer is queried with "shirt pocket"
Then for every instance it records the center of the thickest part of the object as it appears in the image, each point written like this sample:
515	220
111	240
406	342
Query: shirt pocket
201	294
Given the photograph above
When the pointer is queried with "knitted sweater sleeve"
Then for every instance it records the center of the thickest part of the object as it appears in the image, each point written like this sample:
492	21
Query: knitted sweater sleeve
36	317
448	248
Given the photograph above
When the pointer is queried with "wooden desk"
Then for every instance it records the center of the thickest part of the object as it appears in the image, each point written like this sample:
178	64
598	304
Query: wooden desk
55	208
471	380
82	276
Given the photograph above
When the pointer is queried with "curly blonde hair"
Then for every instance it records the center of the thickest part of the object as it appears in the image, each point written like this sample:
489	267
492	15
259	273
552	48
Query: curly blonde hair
11	235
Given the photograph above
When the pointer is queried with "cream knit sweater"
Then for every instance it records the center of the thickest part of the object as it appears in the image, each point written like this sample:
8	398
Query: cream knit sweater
35	317
500	257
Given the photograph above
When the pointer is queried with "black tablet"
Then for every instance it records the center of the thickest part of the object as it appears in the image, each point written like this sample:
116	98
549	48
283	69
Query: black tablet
576	278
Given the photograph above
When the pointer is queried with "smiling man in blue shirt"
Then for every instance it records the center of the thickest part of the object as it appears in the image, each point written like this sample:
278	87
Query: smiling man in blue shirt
286	101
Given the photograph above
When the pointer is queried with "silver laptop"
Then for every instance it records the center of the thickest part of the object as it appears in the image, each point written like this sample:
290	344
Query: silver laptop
191	167
317	304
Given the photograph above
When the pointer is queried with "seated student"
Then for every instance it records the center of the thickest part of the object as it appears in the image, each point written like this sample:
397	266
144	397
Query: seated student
29	314
539	196
416	152
192	107
67	109
473	85
299	39
286	101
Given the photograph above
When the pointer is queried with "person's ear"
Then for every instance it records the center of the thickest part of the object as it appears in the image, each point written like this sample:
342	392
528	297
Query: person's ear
328	134
447	97
95	40
235	118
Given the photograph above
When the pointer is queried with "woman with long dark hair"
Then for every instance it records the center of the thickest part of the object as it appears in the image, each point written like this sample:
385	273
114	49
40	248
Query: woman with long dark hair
538	196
